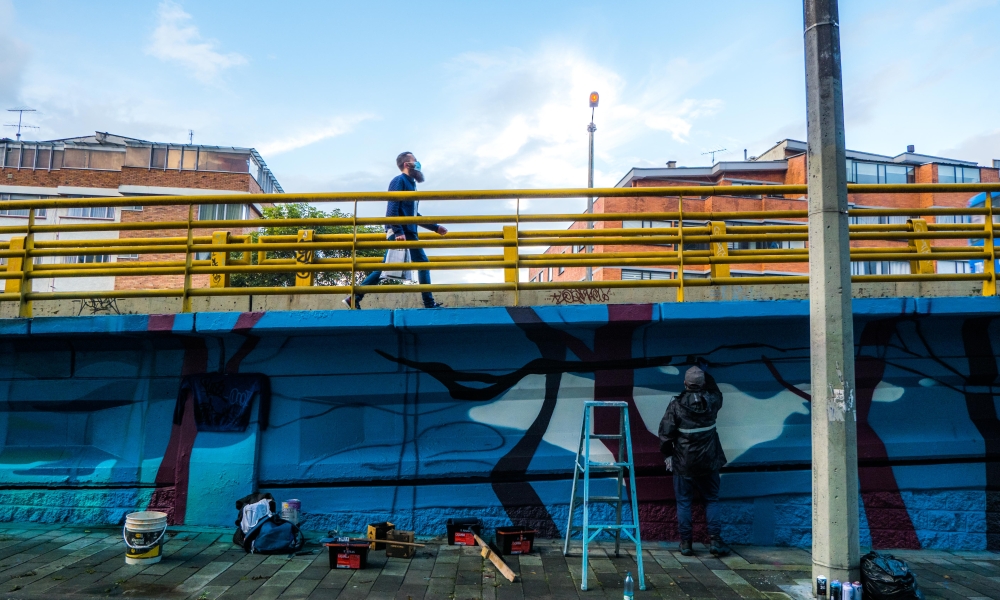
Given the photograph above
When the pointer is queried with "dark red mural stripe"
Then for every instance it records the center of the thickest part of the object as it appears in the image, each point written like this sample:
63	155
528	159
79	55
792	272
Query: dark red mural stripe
160	323
244	324
888	519
173	475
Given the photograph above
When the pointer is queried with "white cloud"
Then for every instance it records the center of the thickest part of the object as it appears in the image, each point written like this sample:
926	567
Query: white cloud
310	135
177	40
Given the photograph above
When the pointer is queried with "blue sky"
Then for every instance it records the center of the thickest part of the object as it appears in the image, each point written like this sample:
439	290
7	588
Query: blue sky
493	95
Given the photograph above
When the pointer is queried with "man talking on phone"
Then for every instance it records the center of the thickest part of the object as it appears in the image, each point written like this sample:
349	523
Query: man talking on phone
405	182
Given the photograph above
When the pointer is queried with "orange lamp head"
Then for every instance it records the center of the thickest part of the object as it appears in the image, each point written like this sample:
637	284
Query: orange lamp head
594	99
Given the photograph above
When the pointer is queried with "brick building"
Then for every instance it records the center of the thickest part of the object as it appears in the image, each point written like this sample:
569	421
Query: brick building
784	163
107	165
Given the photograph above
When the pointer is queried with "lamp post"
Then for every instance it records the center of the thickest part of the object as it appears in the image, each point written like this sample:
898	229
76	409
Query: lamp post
594	99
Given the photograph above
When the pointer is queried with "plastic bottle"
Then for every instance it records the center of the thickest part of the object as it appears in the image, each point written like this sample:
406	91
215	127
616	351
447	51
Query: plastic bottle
629	586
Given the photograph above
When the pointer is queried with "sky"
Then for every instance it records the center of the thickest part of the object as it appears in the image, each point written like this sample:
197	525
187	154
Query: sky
494	95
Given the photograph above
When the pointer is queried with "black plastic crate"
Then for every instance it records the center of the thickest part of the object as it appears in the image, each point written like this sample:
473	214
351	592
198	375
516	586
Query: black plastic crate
348	554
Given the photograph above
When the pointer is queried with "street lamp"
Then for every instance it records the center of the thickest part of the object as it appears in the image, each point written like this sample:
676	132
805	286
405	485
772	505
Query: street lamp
594	99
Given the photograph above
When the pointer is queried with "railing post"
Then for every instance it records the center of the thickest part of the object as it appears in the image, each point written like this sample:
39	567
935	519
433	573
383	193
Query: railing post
304	257
990	262
220	259
188	261
25	308
720	249
680	249
510	253
14	264
921	247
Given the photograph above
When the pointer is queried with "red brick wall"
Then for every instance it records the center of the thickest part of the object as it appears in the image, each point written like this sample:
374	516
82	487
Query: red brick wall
69	177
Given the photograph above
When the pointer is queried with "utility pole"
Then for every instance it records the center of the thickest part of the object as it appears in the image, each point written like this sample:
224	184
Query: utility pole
594	99
835	545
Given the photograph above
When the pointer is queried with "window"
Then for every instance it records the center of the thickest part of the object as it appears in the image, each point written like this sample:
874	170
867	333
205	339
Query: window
20	212
88	258
953	174
12	156
128	257
27	158
139	208
102	160
219	212
877	220
880	268
869	172
174	158
44	158
953	219
159	159
222	161
954	266
635	275
549	273
137	156
92	212
562	268
189	161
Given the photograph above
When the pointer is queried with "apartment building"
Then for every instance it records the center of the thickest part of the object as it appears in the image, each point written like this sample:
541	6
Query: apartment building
108	165
784	163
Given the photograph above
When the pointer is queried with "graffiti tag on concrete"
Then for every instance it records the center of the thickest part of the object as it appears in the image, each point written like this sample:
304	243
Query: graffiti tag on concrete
591	296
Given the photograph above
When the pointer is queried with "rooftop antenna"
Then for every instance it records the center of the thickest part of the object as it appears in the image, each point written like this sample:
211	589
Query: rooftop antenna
713	152
20	115
190	137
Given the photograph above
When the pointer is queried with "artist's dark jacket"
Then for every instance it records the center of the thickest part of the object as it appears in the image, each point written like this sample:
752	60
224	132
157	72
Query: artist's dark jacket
404	208
688	432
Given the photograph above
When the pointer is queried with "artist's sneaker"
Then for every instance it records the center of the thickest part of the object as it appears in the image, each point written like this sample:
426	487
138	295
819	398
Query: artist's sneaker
347	302
719	547
685	548
434	305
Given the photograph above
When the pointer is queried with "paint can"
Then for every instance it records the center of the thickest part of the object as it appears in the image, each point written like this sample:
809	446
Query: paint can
821	586
848	591
835	590
291	510
143	534
858	590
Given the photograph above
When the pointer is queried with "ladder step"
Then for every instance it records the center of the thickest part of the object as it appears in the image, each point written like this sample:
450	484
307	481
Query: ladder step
610	526
604	436
608	499
602	467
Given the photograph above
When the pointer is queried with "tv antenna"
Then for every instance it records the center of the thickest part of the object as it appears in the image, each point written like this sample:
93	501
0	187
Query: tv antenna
713	152
20	116
190	137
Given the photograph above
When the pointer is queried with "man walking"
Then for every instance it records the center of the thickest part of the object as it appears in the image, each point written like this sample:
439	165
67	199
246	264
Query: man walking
691	448
405	182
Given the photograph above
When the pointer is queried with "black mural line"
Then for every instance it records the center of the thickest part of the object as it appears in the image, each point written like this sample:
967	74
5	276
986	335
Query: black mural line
450	378
982	411
788	386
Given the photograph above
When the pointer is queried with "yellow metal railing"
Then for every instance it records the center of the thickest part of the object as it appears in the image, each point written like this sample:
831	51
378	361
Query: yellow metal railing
694	243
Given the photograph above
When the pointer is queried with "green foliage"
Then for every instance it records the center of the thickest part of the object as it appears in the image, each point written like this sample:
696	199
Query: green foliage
305	211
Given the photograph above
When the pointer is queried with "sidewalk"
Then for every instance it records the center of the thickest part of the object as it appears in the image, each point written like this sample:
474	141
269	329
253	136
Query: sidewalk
70	562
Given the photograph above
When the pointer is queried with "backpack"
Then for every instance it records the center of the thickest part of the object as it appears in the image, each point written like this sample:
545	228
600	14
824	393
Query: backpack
270	534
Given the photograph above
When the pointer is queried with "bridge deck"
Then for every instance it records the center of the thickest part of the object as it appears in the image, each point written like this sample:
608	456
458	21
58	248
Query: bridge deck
57	561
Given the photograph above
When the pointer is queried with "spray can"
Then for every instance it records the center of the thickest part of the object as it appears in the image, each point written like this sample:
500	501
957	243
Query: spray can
858	590
847	592
835	590
821	587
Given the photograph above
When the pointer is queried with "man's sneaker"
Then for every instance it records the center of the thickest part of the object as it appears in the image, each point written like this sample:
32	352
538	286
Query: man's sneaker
347	302
719	547
686	549
434	305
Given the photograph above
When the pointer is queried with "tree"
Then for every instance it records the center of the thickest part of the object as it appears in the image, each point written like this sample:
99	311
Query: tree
302	210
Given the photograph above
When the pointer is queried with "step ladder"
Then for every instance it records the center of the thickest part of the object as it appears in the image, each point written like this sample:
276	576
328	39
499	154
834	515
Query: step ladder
584	468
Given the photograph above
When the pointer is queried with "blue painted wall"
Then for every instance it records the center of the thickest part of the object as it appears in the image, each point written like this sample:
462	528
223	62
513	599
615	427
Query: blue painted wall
415	416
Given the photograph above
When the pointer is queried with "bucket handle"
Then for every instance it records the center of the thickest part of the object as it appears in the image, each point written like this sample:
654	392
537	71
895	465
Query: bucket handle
147	547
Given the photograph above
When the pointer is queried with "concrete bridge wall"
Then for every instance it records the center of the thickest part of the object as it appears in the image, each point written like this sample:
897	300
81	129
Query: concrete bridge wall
415	416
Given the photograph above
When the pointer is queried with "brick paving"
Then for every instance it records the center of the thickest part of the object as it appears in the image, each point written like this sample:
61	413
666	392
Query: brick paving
69	562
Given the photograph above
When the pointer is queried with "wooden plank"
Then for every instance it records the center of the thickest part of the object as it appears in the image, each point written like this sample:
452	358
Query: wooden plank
495	559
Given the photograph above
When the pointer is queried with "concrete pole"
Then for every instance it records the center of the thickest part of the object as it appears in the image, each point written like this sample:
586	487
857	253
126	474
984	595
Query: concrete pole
590	183
835	547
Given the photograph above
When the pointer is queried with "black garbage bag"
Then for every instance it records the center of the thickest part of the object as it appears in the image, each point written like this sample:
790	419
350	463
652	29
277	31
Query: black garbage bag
885	577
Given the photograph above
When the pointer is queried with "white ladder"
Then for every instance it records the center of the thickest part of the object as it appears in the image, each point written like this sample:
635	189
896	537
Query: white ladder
589	531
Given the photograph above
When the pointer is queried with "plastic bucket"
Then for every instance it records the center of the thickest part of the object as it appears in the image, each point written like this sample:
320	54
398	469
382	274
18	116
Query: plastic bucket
143	534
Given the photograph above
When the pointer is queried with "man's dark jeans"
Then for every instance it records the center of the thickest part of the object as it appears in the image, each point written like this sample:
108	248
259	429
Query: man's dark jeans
684	488
424	277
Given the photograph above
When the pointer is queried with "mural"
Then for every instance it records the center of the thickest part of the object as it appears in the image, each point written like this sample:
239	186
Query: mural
416	416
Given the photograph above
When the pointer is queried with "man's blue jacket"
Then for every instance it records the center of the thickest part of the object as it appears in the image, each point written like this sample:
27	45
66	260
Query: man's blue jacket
404	208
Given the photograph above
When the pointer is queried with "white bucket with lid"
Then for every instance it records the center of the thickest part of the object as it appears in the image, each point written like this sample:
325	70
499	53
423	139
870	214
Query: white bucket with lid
143	534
